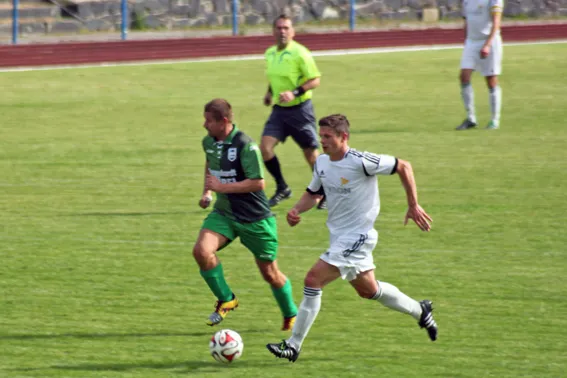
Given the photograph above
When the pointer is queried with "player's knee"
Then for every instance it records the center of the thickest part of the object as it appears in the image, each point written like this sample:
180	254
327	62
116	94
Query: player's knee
197	252
267	151
363	293
200	253
492	81
270	276
311	154
311	280
464	78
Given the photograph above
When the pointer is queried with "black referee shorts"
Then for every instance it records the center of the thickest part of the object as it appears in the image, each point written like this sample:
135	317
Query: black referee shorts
297	121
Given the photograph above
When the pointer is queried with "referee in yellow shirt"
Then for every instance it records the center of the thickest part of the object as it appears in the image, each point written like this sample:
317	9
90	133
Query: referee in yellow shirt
293	75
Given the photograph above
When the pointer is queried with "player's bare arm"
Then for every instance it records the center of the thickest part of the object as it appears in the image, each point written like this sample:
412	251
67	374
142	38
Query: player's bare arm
206	197
244	186
288	96
415	212
305	203
268	96
496	20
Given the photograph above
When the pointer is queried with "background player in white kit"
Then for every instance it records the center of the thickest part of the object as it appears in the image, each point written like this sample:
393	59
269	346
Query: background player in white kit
353	202
482	52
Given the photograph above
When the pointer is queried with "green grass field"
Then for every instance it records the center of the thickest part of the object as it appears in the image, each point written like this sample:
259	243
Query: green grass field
101	171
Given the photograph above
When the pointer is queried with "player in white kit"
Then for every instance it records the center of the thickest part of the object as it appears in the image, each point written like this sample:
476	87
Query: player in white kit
353	202
482	52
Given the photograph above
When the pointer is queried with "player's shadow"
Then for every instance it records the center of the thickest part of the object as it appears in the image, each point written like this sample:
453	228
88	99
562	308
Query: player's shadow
179	367
112	335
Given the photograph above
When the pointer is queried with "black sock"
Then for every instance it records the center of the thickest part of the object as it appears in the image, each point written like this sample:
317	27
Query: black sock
273	166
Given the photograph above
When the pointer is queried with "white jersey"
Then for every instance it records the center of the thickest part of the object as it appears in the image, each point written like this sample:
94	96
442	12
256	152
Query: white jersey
478	14
351	188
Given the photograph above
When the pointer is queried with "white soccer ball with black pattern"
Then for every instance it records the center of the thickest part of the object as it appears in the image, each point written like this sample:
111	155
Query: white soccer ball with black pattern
226	346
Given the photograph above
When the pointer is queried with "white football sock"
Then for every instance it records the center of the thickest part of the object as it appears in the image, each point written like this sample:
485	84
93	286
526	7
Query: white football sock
495	97
391	297
467	94
308	310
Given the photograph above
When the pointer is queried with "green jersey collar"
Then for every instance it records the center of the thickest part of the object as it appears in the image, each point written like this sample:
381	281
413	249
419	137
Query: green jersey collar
228	139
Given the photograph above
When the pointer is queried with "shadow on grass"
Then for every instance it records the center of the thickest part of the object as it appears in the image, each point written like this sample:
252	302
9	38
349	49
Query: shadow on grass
114	335
180	367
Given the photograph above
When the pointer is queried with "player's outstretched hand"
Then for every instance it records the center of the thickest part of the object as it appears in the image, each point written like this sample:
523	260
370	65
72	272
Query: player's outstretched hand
420	217
205	201
293	217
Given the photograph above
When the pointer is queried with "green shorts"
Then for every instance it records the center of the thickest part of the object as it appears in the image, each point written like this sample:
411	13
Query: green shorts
260	237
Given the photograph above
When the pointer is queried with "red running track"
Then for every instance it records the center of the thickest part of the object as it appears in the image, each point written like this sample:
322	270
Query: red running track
128	51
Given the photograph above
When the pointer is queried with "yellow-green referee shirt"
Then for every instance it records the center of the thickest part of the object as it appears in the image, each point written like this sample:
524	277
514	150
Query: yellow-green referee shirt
289	68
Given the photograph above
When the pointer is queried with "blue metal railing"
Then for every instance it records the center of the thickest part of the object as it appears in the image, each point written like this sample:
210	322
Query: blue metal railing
234	17
15	21
352	15
124	26
125	19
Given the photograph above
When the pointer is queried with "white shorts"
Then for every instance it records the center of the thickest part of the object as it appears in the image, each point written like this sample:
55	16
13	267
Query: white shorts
352	254
489	66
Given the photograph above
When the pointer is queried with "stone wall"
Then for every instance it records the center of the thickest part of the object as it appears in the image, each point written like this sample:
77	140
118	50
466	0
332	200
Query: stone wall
102	15
177	14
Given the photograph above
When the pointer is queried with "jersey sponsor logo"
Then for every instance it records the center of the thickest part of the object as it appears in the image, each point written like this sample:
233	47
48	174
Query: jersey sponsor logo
221	173
344	181
339	190
225	177
231	154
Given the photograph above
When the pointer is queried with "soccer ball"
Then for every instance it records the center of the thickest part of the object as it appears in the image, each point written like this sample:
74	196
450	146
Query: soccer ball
226	346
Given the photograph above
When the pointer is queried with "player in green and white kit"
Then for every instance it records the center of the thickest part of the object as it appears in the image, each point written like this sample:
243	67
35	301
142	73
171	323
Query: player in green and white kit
234	172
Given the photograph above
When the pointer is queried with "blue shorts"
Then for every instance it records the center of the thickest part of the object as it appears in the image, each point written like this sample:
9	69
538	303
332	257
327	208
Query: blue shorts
297	121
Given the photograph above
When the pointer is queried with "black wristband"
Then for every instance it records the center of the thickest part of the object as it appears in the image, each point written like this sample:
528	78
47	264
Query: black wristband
298	91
